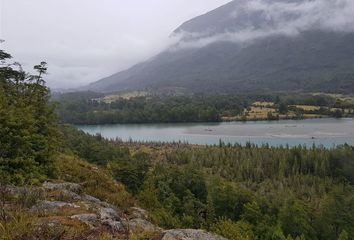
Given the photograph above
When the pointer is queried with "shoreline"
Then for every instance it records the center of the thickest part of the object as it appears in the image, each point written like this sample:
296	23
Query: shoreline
208	122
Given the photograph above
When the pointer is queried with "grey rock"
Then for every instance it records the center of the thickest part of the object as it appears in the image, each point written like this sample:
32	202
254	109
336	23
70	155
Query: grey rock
111	219
70	195
108	213
115	226
73	187
139	224
89	219
190	234
47	206
91	199
96	201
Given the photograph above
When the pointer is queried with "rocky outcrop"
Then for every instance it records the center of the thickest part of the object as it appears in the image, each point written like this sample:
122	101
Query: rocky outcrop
66	203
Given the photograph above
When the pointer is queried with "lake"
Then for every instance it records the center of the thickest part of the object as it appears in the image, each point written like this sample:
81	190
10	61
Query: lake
325	132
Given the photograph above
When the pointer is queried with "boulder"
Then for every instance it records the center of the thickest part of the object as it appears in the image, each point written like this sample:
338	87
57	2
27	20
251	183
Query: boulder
110	218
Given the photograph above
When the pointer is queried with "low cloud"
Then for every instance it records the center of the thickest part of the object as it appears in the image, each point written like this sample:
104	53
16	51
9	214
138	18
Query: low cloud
86	40
255	19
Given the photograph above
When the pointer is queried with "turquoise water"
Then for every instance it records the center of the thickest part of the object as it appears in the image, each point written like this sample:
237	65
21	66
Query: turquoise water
325	132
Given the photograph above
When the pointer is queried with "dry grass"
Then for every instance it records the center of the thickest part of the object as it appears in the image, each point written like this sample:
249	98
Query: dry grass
17	225
263	104
307	107
96	182
127	95
260	112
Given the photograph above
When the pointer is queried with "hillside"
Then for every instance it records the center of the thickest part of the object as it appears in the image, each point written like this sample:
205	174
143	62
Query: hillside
57	182
251	46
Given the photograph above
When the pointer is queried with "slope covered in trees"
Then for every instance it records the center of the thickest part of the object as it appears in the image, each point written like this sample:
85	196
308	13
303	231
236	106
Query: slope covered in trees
27	124
94	108
254	45
239	192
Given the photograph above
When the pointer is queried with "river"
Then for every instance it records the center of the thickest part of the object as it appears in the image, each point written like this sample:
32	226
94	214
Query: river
325	132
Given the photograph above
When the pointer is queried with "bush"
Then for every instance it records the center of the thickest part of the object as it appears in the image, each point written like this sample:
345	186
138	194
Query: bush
233	230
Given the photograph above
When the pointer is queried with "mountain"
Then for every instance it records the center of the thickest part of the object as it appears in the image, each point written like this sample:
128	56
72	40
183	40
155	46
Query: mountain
255	45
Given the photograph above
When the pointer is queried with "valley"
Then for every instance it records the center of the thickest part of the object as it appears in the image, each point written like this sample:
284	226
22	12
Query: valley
239	125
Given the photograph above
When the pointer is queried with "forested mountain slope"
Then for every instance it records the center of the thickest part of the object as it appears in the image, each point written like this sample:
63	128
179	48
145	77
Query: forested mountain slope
252	45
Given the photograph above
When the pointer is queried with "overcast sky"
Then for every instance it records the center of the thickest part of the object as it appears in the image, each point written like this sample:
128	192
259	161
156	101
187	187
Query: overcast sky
85	40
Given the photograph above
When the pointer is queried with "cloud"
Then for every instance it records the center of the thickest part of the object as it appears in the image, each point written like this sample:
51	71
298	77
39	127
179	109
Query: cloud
86	40
255	19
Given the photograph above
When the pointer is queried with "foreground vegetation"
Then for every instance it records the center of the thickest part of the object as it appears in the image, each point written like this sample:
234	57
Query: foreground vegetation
94	108
240	192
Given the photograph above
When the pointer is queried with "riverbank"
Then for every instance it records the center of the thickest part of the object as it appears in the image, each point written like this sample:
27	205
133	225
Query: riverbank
321	132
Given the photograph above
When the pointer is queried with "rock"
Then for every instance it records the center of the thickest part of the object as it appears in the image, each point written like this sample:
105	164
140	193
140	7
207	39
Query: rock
47	206
115	226
91	199
108	213
89	219
66	194
138	213
72	187
96	201
143	225
190	234
110	218
138	221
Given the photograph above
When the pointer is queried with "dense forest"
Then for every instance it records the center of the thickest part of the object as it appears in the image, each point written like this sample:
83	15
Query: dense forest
147	109
27	124
94	108
240	192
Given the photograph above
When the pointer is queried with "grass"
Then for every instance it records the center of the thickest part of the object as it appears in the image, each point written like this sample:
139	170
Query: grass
307	107
17	222
95	181
260	112
126	95
263	104
253	114
17	225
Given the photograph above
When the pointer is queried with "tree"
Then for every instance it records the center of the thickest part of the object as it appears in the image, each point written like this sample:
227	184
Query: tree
295	220
283	108
343	236
27	124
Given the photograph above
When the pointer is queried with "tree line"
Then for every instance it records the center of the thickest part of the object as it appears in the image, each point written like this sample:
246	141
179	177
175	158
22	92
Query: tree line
91	108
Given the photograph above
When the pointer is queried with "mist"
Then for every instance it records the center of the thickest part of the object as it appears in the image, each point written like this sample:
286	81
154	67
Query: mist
264	18
86	40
